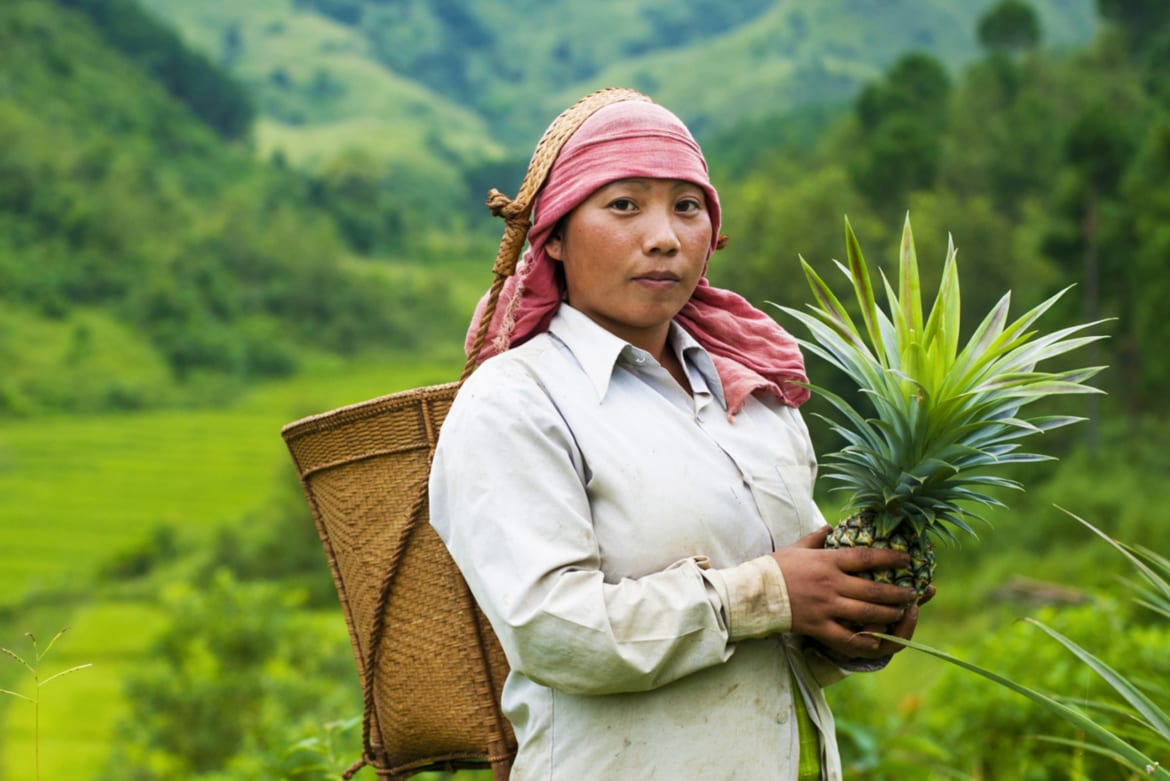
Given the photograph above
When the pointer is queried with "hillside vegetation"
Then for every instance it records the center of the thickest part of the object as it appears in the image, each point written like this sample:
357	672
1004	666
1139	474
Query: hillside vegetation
309	175
144	247
480	80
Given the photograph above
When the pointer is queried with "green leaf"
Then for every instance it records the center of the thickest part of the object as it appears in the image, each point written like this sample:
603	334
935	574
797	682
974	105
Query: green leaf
831	308
909	286
859	274
977	352
1148	572
1081	744
1157	719
948	303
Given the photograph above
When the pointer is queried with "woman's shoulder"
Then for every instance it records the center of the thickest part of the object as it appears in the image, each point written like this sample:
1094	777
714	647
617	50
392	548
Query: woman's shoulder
507	396
516	375
518	363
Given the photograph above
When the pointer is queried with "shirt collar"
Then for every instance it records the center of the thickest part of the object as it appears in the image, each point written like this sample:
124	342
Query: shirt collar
697	363
598	352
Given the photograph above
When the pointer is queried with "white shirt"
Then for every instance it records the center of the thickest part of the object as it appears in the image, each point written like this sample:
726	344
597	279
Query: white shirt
616	531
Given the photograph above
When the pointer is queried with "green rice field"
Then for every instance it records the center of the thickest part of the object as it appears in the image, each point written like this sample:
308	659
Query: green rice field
75	491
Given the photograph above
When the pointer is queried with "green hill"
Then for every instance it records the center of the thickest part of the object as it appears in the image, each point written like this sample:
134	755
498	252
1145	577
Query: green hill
497	71
321	88
130	226
806	53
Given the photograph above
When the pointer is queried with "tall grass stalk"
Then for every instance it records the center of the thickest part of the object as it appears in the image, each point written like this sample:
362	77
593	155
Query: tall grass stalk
34	669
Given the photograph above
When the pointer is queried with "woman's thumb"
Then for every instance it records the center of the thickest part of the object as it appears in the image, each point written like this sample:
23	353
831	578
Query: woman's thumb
814	540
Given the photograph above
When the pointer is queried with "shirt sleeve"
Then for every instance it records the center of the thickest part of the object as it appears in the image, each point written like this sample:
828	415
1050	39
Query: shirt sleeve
508	497
755	598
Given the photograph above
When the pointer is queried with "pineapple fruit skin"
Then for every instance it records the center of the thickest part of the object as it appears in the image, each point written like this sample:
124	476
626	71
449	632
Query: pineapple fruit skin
860	531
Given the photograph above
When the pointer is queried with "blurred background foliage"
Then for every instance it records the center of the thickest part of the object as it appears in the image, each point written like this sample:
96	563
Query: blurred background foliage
218	216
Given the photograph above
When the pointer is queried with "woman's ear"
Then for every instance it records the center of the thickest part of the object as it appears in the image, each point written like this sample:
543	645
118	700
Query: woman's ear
554	247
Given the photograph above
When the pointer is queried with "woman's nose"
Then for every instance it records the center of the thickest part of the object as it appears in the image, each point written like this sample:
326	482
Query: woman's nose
660	237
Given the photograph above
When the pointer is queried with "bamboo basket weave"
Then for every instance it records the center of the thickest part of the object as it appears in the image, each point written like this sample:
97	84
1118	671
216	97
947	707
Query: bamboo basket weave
431	669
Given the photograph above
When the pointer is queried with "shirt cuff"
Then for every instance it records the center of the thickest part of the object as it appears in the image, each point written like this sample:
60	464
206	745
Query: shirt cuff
755	598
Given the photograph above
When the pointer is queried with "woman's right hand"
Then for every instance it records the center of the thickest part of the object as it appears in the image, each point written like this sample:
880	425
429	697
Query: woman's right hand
828	598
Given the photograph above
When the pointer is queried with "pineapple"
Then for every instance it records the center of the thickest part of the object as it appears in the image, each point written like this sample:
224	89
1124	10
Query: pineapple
944	415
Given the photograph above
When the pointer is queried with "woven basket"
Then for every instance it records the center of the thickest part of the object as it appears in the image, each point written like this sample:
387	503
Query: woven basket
430	667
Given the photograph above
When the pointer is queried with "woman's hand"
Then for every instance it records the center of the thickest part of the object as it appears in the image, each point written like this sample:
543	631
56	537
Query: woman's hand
829	601
904	628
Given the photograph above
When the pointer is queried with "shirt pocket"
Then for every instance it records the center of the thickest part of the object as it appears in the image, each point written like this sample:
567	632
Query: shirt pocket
784	494
798	482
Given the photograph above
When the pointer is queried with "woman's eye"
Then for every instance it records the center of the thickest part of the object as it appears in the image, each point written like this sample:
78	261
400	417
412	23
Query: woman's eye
689	205
622	204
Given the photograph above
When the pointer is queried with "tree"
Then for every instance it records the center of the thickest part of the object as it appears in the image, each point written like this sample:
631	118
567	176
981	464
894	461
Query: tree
1141	272
917	83
1098	149
903	120
1157	70
1141	21
1009	27
211	94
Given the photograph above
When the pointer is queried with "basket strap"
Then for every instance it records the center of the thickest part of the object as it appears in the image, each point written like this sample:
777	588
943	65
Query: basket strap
517	211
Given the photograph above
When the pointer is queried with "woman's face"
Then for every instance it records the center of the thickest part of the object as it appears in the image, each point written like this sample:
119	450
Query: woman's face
633	252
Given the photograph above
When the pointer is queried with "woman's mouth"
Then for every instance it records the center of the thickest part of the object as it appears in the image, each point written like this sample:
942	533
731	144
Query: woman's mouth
658	279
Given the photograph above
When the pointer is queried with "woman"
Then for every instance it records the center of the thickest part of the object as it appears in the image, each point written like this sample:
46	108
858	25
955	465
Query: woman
627	488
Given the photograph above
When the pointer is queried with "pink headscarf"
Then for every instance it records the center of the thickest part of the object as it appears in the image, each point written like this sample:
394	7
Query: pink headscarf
751	352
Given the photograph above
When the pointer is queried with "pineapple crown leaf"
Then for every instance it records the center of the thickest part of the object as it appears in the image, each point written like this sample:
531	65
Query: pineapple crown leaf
1023	360
858	271
943	412
986	334
996	349
994	480
955	520
909	287
1035	386
1050	422
962	493
943	326
852	358
1005	344
829	308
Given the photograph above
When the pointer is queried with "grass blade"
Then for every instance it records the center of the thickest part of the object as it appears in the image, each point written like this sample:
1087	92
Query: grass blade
55	676
17	695
18	658
1157	719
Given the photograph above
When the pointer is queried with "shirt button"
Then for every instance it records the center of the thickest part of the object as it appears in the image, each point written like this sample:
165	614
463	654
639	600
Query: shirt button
782	716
